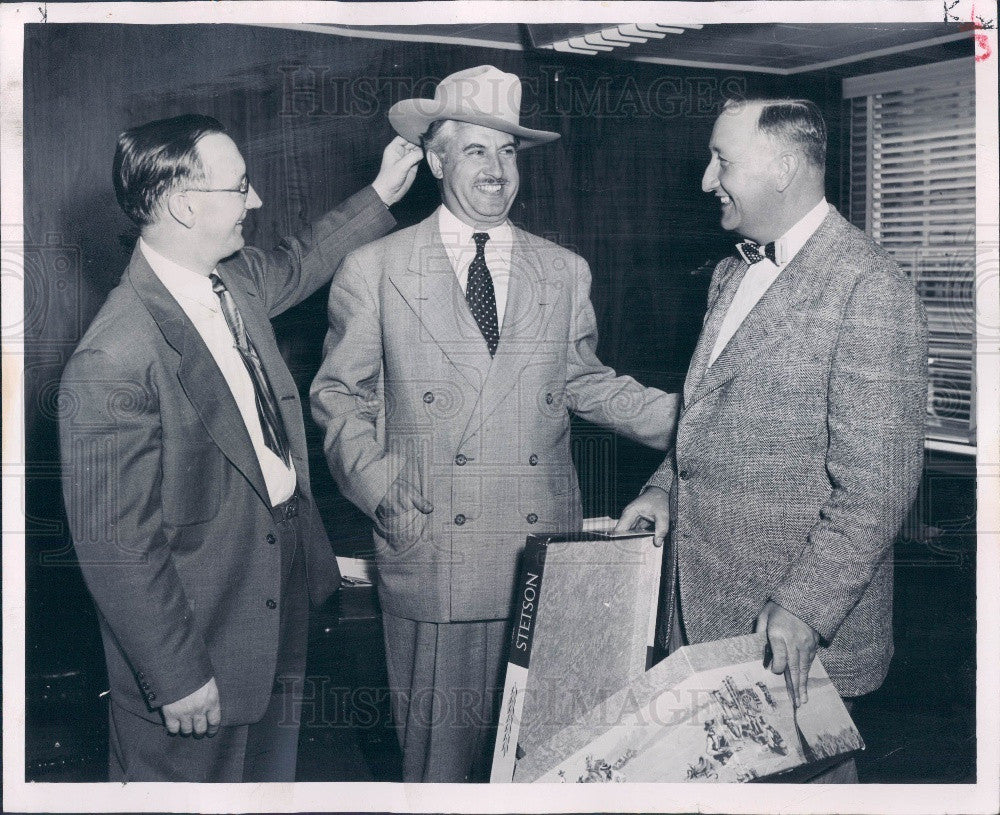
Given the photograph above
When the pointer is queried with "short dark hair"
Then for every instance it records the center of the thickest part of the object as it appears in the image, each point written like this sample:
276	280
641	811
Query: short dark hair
798	121
152	158
430	137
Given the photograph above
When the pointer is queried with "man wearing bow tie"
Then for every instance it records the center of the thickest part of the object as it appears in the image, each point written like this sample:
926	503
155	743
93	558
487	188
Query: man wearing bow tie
456	349
184	461
799	446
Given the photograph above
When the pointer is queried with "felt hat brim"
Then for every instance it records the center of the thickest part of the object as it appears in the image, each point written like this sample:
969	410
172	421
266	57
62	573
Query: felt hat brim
411	117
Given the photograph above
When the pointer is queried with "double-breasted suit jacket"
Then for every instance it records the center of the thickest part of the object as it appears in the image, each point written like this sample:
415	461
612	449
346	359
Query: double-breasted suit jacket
166	501
407	382
800	450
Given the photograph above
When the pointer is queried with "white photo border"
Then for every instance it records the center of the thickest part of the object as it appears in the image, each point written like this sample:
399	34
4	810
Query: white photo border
361	797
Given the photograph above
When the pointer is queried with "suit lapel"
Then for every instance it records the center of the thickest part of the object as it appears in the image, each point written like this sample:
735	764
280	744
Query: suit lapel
777	311
528	311
258	326
430	288
199	375
730	281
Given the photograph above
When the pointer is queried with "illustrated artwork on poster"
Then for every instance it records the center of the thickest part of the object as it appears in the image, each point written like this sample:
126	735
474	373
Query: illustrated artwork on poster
732	724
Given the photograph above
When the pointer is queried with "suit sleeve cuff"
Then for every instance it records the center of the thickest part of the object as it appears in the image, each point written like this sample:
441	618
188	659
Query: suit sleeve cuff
170	683
662	478
811	610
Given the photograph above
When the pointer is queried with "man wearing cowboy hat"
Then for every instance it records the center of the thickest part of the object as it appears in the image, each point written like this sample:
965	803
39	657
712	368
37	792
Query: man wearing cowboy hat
455	350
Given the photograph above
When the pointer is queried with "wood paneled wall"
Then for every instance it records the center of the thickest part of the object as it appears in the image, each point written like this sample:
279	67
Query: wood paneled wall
621	187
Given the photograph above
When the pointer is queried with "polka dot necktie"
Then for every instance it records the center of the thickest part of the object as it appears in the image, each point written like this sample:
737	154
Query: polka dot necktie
480	295
267	405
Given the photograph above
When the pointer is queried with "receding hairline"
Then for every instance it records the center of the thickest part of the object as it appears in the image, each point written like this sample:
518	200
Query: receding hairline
152	158
752	107
813	151
206	167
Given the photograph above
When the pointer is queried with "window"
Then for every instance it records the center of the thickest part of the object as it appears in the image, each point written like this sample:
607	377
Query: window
912	188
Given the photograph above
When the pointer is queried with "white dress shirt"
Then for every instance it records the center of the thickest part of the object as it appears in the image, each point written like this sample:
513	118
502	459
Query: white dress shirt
762	274
456	235
193	293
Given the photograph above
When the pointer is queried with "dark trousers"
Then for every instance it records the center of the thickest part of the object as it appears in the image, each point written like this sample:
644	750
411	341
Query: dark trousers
141	750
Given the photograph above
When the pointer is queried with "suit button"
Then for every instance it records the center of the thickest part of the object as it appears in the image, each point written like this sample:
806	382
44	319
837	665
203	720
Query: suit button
532	518
271	604
144	685
428	398
684	475
151	697
548	399
459	519
532	459
140	674
271	539
460	460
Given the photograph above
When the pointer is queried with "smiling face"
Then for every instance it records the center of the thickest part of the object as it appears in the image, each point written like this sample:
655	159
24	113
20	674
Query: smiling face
220	210
742	174
477	167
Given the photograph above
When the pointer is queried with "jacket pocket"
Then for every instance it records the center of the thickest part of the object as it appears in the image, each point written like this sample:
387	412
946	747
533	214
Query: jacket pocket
192	482
400	532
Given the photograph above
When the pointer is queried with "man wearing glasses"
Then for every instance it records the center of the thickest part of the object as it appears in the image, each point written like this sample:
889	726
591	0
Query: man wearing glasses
184	461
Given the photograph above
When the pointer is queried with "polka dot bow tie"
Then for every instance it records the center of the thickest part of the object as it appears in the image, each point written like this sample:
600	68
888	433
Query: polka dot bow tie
752	252
480	296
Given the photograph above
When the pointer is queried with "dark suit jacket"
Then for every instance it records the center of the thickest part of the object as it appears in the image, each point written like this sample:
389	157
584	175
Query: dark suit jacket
407	381
800	451
166	501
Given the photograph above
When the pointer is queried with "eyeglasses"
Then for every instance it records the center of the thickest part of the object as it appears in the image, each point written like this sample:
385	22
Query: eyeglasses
242	189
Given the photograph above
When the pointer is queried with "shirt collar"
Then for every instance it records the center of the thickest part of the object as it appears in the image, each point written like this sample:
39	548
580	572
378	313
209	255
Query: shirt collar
179	280
457	234
789	244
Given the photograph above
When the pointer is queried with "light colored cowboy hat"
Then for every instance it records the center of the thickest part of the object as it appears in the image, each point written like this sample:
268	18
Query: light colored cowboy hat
483	95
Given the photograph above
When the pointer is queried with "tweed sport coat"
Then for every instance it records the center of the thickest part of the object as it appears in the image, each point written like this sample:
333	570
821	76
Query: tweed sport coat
407	381
166	501
799	451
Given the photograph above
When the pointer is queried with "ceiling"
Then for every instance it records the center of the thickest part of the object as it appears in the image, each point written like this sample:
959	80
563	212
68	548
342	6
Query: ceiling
774	48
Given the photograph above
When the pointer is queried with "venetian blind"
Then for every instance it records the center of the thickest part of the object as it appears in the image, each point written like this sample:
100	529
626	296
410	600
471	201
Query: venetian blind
912	188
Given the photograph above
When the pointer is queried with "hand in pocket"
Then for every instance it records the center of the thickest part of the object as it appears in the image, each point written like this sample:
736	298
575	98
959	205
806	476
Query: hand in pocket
400	515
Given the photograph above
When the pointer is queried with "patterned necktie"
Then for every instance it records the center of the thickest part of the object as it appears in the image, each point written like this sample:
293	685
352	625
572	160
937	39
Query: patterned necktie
752	252
480	295
267	405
